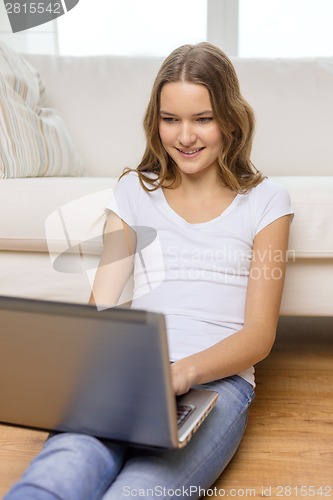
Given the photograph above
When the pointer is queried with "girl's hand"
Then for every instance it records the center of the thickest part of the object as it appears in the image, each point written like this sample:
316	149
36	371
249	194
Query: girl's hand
182	378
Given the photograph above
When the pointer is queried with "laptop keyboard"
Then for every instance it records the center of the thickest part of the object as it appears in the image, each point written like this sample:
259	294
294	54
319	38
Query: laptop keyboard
183	411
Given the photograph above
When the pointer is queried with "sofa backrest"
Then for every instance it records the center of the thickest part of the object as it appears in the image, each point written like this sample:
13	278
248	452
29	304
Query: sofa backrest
103	99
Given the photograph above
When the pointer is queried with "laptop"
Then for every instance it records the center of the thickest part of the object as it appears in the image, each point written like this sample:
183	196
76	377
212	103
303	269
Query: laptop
69	367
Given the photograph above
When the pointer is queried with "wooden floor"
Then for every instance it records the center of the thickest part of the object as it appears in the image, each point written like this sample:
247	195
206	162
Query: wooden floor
289	438
287	451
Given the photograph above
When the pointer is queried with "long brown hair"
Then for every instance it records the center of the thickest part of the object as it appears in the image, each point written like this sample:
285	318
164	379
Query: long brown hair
206	65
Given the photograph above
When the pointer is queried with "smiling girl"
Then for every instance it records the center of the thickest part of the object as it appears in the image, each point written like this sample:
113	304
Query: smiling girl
213	213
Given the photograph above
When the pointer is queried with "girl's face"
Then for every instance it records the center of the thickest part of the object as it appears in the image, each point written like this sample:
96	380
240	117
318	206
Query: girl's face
188	130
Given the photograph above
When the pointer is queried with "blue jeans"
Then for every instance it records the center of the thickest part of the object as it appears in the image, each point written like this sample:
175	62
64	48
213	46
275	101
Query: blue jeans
78	467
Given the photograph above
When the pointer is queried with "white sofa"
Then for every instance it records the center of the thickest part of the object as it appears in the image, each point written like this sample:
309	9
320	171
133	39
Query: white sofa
102	100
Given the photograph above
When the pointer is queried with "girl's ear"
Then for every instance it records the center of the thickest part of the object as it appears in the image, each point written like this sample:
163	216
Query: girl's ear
231	127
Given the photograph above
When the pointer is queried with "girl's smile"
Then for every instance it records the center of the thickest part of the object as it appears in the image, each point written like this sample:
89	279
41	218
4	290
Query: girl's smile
190	154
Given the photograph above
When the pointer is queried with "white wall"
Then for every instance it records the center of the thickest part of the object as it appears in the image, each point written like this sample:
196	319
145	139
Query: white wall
39	40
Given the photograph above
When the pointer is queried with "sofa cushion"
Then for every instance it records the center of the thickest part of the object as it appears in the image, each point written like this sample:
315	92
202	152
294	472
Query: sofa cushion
33	138
293	103
29	202
103	105
288	95
311	233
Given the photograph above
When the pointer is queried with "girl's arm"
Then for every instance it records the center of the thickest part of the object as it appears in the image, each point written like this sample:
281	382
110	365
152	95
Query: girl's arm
254	341
116	263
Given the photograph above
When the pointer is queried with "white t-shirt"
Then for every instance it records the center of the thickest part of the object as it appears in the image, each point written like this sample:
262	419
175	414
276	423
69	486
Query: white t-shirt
195	274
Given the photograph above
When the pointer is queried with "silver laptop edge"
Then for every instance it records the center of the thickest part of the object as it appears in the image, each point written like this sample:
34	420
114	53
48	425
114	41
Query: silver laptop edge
69	367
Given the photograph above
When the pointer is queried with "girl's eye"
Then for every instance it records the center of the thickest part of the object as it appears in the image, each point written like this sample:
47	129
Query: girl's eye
169	120
205	119
201	119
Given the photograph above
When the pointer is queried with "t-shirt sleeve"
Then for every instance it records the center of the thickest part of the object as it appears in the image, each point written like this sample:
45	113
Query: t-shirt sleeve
271	201
125	199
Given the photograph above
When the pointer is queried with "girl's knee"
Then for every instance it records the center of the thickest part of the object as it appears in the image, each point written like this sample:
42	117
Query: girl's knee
74	466
85	447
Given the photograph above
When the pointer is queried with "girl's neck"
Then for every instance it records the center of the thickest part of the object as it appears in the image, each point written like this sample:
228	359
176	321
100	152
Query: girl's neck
200	186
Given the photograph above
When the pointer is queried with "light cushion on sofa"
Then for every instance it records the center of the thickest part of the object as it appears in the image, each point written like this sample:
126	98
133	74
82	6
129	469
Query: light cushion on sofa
29	202
292	100
33	138
311	233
